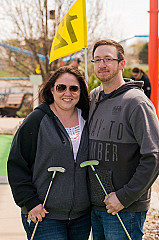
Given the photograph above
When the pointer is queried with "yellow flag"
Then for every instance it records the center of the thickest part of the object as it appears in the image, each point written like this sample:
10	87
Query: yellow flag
71	35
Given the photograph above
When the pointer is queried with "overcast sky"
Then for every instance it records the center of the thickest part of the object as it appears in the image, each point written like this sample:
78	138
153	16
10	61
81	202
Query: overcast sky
126	18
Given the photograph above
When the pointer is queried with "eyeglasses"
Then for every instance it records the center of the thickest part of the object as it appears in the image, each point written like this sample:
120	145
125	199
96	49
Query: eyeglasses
62	88
105	60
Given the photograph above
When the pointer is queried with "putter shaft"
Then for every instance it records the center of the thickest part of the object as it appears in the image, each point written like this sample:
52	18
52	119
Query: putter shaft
108	197
54	169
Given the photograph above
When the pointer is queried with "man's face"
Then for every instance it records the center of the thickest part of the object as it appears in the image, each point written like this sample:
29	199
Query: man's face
74	63
105	71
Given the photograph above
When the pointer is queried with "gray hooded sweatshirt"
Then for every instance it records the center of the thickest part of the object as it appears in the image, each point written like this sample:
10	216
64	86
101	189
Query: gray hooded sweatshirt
42	142
124	138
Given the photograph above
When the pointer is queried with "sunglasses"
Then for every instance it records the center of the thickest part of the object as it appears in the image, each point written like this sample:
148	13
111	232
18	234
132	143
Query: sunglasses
62	88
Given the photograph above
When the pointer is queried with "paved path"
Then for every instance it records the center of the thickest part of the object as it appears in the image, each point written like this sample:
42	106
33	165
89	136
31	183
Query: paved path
11	227
9	125
10	223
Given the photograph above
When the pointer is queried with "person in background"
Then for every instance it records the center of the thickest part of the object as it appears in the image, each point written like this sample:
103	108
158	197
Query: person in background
55	134
76	63
124	138
140	75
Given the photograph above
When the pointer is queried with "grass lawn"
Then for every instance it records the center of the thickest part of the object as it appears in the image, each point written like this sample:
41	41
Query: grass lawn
10	72
5	143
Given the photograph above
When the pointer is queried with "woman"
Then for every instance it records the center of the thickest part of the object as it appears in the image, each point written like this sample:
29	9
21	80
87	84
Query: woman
54	135
139	75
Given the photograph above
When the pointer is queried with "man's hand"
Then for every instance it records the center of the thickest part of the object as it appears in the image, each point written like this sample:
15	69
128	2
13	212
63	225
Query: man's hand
113	205
37	213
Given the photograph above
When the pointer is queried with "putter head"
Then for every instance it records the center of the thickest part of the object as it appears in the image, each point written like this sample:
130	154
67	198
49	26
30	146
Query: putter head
89	163
56	169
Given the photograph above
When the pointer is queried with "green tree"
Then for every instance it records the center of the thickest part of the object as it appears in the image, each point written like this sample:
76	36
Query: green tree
143	54
93	82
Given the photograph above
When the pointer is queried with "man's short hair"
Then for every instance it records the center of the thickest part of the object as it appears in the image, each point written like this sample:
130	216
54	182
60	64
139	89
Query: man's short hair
110	42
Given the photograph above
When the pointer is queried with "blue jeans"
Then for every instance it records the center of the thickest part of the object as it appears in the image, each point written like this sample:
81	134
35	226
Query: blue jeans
50	229
106	226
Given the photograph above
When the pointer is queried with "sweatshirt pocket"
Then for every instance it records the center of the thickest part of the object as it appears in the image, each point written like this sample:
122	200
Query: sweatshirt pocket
96	192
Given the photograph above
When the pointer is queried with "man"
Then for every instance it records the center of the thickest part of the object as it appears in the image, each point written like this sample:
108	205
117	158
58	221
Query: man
124	138
139	75
76	63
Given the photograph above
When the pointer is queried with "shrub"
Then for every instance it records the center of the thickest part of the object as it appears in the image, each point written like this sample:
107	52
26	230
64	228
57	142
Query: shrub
93	82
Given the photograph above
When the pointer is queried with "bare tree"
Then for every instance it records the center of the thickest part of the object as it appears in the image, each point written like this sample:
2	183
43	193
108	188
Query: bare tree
35	30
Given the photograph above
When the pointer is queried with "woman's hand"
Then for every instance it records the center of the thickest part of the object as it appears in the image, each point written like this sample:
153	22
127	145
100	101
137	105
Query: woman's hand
37	213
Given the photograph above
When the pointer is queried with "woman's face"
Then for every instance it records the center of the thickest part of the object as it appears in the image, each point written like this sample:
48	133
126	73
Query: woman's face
66	92
137	76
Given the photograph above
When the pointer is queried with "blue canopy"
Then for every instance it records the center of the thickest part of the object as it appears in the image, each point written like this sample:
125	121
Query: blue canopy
16	49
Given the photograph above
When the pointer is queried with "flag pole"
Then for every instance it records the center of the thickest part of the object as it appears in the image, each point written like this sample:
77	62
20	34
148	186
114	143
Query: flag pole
85	59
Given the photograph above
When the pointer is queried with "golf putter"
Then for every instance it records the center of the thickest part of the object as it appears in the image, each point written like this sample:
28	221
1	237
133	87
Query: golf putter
54	170
91	164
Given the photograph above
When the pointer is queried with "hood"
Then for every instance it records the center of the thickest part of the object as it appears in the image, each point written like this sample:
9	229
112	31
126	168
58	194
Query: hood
44	107
99	95
129	84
